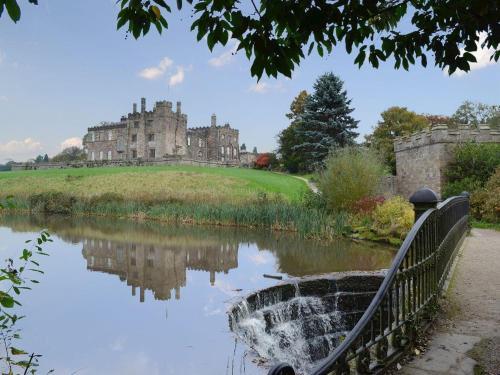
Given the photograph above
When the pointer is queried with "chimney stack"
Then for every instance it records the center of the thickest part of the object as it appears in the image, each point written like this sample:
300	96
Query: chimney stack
143	105
214	120
178	107
134	108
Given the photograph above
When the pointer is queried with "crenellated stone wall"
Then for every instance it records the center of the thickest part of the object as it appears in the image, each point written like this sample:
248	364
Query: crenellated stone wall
422	157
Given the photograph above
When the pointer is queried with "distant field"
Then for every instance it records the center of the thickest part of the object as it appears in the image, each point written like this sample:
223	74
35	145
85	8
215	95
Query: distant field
159	183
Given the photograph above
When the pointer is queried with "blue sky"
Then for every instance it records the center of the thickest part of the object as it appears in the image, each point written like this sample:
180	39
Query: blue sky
64	67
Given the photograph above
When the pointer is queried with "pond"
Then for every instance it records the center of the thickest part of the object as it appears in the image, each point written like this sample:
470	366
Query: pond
124	297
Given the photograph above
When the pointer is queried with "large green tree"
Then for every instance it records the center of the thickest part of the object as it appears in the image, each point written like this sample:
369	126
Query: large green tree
292	160
474	114
396	121
276	34
326	122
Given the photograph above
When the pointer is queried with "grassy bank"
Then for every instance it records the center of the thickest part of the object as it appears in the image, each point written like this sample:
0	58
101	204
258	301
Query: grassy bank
216	196
162	183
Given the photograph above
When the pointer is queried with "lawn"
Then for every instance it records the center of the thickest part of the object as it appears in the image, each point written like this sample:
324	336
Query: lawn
158	183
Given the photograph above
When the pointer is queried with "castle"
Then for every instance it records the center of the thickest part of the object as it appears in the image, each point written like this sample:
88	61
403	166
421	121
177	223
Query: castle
161	134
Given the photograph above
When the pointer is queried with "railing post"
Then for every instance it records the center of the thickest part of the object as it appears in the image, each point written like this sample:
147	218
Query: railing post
422	200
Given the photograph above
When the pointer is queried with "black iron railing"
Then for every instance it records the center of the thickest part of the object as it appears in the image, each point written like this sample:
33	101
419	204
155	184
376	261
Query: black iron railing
408	294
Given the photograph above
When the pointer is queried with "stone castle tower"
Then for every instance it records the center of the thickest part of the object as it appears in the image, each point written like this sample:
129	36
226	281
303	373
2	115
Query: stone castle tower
159	134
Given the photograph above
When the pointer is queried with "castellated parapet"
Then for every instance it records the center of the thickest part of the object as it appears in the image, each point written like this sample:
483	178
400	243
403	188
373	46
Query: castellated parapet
159	134
421	158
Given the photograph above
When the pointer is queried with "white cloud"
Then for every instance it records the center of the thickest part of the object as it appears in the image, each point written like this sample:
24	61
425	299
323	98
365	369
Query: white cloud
71	142
20	150
158	71
224	58
178	77
265	87
482	56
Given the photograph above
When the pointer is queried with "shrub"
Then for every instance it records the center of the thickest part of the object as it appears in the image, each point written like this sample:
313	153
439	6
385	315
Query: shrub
393	218
485	203
366	205
350	174
472	165
52	203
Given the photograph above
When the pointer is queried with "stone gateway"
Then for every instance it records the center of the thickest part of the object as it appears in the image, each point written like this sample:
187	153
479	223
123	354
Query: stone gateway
161	134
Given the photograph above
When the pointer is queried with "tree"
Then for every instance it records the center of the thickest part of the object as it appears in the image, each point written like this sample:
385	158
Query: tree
474	114
243	147
46	158
70	154
326	122
292	160
39	159
276	33
396	121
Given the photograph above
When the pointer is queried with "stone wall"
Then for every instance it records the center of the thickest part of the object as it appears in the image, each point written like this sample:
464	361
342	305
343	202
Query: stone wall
421	158
123	163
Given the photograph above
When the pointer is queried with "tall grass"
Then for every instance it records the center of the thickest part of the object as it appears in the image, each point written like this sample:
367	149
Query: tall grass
272	213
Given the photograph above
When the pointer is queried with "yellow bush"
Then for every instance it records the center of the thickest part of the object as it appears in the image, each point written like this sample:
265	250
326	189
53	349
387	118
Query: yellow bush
393	218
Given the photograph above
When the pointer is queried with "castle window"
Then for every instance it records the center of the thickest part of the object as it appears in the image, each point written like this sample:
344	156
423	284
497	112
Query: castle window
200	142
200	154
101	155
222	137
228	152
136	124
93	136
222	150
235	152
151	137
134	154
229	138
110	155
150	263
149	123
110	135
189	141
92	156
134	137
152	153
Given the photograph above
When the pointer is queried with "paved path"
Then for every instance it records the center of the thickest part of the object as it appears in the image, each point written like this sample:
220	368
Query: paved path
472	314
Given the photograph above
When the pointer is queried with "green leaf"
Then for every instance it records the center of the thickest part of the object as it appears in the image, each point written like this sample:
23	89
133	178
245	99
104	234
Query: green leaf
13	10
16	351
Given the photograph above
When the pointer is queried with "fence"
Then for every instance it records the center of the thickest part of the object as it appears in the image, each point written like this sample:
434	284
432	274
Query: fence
408	294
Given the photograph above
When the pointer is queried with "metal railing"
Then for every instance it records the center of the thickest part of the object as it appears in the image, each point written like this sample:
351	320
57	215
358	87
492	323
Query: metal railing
407	296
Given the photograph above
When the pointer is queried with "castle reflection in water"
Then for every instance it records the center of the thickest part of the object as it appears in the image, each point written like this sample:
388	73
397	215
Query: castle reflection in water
160	269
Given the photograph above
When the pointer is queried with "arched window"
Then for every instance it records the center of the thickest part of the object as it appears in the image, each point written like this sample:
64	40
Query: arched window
110	154
189	141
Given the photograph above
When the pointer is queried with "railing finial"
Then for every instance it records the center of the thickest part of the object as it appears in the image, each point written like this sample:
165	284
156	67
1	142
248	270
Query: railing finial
422	200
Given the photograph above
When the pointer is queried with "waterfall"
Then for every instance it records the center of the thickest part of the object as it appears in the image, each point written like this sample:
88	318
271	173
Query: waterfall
301	321
299	331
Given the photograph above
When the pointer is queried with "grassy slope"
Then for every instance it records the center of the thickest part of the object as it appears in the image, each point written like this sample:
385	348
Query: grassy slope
178	183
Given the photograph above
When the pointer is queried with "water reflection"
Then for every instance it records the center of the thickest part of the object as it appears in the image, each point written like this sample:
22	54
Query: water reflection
161	269
195	271
153	256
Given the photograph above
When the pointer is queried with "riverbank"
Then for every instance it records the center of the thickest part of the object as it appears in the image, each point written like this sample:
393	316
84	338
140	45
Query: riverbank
184	195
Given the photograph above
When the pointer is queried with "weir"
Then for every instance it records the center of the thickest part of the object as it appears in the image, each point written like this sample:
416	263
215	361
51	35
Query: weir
302	320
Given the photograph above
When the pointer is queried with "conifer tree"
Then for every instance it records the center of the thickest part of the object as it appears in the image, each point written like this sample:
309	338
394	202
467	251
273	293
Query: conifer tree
326	122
